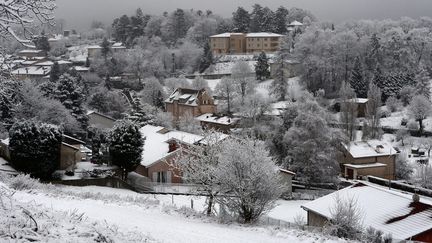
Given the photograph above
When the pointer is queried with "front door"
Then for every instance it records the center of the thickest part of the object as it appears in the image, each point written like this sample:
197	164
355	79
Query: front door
350	173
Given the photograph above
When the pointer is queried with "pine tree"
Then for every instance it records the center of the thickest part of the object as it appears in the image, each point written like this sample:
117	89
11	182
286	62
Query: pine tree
138	24
206	59
125	146
70	94
357	80
121	28
422	80
41	43
262	67
256	18
241	20
138	114
280	20
35	148
55	72
268	20
105	47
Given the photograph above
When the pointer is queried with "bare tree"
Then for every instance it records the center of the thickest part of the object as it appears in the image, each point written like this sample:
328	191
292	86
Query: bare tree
225	89
249	176
198	164
22	13
372	109
420	109
348	110
243	77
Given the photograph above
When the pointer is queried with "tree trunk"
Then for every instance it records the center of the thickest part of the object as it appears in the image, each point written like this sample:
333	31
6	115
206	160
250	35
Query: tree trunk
210	204
421	126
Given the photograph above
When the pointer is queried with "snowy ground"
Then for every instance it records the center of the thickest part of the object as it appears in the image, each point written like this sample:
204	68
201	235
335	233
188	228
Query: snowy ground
158	218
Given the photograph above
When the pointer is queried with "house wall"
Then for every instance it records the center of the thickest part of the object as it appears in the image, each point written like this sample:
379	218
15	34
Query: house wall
4	151
287	181
92	52
423	237
315	220
100	121
69	157
290	69
219	45
377	171
387	173
262	44
237	44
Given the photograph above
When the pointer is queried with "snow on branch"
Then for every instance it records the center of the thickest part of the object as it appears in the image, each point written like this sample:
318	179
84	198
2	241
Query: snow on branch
21	14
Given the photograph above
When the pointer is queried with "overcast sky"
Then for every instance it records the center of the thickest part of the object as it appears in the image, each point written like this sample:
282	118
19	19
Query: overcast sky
80	13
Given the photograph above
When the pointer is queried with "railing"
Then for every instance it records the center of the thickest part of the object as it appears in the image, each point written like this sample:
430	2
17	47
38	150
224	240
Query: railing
177	188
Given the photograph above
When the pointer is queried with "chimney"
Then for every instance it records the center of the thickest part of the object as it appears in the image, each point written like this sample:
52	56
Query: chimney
172	146
416	198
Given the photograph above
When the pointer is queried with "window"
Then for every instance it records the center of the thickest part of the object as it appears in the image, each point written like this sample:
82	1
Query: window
162	176
265	45
265	39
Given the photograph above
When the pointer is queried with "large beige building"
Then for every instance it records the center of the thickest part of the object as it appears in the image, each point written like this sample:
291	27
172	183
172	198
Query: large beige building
245	43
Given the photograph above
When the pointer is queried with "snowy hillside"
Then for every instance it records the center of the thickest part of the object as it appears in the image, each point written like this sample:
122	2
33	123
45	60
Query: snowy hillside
90	213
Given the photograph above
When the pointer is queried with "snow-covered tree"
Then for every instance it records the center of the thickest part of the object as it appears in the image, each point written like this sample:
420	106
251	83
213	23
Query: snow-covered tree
242	76
199	165
35	148
249	177
256	18
200	83
41	43
22	13
280	84
226	90
70	94
153	92
188	123
281	15
346	218
358	81
404	170
422	80
262	71
138	115
241	20
206	59
373	109
420	109
105	48
55	72
310	146
348	110
125	146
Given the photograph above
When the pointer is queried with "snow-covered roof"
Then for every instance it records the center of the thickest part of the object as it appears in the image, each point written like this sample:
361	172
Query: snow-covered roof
32	70
118	45
223	120
30	51
365	166
262	34
184	96
156	146
64	62
359	100
225	35
295	23
46	63
389	210
278	108
94	47
286	171
81	68
371	148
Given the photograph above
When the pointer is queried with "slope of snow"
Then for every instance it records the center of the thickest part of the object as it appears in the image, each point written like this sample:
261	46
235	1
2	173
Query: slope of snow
160	221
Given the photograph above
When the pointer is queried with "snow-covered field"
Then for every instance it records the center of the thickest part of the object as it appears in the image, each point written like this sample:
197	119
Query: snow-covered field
156	218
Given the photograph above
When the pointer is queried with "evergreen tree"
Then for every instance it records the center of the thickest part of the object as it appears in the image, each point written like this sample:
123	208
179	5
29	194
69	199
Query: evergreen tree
55	72
256	18
280	83
6	107
138	114
422	80
207	58
262	67
357	80
241	20
105	47
268	20
280	20
41	43
70	94
35	148
125	146
121	28
138	23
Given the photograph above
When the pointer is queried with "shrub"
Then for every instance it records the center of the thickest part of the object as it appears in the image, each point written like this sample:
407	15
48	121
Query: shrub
35	148
404	121
23	182
384	113
393	104
412	125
